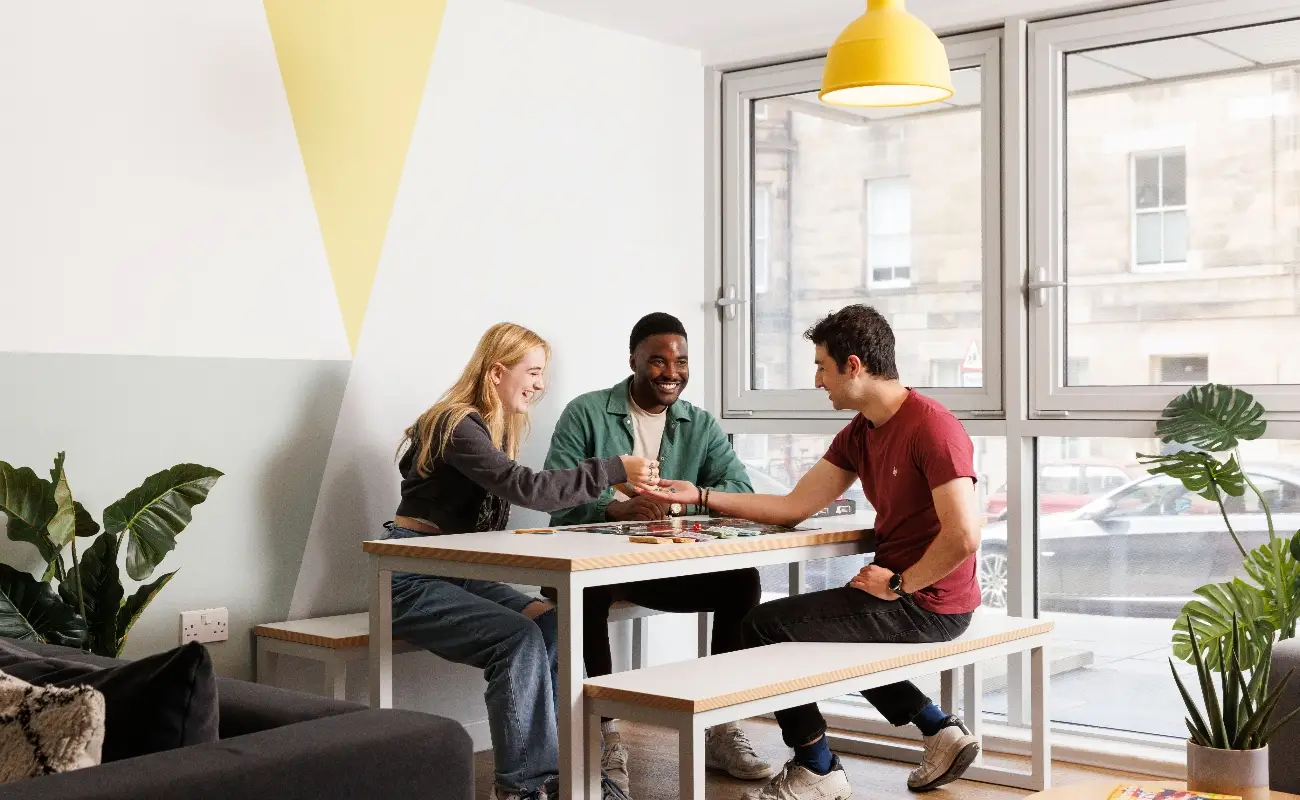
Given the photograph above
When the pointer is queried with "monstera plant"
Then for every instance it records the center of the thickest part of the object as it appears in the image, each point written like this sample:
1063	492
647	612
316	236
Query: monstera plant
81	602
1210	422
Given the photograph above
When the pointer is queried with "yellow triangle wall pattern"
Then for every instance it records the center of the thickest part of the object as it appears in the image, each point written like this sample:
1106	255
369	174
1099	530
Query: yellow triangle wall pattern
354	72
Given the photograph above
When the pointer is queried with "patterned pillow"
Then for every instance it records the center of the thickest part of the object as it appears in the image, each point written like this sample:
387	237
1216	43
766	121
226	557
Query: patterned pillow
44	729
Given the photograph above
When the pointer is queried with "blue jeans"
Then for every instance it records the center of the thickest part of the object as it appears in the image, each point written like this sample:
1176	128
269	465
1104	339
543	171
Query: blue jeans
479	623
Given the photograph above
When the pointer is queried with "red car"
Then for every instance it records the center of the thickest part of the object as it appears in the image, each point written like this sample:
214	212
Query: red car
1065	486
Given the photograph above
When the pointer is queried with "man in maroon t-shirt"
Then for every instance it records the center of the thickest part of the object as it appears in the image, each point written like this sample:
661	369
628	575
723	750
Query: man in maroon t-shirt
915	462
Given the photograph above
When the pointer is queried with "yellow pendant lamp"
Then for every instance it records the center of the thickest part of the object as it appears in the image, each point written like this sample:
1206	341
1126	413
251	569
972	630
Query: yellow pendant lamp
885	58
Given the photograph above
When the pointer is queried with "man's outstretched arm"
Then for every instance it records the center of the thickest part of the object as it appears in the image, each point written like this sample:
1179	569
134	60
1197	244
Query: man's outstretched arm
823	483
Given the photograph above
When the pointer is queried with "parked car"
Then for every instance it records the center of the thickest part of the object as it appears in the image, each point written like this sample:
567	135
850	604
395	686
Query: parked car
1142	550
1065	486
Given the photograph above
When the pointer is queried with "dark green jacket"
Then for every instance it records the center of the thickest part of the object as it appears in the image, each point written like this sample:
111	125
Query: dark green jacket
694	448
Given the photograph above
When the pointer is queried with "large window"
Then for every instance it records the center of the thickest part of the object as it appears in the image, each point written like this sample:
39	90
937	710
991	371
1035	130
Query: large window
835	218
1106	213
1171	212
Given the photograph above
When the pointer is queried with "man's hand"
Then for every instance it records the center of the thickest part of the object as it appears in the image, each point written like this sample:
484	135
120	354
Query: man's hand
874	580
638	509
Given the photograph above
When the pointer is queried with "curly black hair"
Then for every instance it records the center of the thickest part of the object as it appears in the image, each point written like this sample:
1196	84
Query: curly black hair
653	325
861	331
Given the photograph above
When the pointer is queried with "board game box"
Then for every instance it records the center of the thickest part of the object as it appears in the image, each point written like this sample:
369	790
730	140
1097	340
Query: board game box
694	530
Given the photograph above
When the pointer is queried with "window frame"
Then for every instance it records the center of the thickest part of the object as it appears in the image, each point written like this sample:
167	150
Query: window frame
739	89
763	211
1159	210
1049	43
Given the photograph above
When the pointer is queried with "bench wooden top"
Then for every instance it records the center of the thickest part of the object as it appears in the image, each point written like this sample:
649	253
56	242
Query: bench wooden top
732	678
575	551
353	630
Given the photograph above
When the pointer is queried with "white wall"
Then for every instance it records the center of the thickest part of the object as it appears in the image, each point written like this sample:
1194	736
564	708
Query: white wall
555	179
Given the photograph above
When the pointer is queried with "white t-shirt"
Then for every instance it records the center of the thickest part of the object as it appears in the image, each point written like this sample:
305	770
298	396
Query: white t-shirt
647	434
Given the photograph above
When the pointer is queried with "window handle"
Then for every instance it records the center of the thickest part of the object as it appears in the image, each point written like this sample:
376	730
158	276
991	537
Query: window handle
729	301
1041	286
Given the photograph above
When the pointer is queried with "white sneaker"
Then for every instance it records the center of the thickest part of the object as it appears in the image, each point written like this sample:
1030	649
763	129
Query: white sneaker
509	794
613	761
947	755
797	782
727	748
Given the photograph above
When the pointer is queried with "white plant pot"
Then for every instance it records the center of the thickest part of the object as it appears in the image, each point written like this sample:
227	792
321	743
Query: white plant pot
1231	772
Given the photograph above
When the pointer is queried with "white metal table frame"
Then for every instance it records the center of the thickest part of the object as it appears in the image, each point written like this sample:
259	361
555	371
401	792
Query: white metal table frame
690	727
569	586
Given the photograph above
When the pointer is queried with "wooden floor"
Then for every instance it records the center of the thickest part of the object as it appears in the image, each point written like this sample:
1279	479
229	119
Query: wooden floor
653	767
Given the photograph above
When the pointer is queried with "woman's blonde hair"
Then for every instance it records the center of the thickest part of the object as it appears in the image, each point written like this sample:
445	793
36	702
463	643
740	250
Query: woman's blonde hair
505	344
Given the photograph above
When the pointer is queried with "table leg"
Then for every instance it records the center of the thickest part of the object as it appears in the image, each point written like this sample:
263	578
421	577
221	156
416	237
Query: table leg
336	676
972	710
1041	752
266	662
594	745
570	692
381	635
796	577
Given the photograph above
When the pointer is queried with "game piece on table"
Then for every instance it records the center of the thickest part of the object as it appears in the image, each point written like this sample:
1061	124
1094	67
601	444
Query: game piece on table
684	539
650	539
535	530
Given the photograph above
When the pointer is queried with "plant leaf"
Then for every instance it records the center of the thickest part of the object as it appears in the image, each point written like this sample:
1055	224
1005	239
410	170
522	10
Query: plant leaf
1258	724
1200	472
20	531
28	500
31	611
1212	417
63	523
1209	696
155	513
135	606
1195	721
1295	545
1213	617
86	524
102	592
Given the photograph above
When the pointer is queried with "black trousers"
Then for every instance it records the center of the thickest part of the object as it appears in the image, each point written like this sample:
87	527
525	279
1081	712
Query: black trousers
849	615
729	595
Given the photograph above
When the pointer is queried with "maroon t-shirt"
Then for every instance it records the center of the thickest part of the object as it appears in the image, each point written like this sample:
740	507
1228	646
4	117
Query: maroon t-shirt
921	447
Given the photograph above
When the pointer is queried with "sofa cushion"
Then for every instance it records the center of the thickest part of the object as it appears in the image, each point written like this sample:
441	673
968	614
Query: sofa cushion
47	729
156	703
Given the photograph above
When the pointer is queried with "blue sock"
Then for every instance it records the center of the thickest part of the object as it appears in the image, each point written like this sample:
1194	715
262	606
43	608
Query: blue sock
930	720
816	756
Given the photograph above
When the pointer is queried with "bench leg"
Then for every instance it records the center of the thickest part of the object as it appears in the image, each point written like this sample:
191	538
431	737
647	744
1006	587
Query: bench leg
639	657
266	662
690	760
381	635
593	747
948	690
1041	755
336	676
972	710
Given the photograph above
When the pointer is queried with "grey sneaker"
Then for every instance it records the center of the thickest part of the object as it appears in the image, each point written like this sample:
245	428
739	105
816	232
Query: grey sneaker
797	782
551	790
499	793
947	755
613	762
727	748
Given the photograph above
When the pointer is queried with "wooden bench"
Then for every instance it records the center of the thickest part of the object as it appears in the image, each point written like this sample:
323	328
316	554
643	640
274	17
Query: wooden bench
337	641
691	696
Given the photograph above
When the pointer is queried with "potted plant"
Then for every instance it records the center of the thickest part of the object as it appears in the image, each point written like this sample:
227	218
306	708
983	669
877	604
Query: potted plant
1209	422
1228	749
89	608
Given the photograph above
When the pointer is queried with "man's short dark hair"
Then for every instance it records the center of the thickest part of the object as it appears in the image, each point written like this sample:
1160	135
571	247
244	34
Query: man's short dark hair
653	325
861	331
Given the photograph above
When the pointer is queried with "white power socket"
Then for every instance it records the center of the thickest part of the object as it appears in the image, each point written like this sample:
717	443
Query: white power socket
206	625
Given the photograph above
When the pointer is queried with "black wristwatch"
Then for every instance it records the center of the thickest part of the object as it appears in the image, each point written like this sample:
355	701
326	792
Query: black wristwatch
896	584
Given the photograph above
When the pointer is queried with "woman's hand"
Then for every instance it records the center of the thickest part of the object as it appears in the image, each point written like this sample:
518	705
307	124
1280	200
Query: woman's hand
669	492
642	473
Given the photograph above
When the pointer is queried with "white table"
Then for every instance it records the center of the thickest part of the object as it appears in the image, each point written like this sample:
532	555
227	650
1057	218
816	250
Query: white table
571	561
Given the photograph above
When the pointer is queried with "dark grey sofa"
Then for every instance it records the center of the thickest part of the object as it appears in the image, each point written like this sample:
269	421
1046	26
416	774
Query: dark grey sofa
1284	747
283	745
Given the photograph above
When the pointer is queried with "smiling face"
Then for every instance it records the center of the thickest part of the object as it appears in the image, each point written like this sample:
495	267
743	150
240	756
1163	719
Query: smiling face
835	381
660	370
517	386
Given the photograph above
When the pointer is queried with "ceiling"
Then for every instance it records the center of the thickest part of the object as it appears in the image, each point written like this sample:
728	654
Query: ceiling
738	30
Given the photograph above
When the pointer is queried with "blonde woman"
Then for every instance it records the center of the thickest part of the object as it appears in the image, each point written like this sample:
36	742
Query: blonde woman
459	475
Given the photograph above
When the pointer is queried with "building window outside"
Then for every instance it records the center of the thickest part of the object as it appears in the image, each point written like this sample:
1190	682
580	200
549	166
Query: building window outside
945	372
887	229
1181	369
1160	232
762	236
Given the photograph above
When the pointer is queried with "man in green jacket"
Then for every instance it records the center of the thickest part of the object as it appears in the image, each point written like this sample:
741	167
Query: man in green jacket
644	416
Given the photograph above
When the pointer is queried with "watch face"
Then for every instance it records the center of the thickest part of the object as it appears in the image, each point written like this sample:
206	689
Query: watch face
675	508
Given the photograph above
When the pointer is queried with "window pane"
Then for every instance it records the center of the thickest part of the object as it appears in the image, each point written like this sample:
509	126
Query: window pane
1116	565
1175	236
1146	181
844	183
1147	242
1173	179
1181	226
